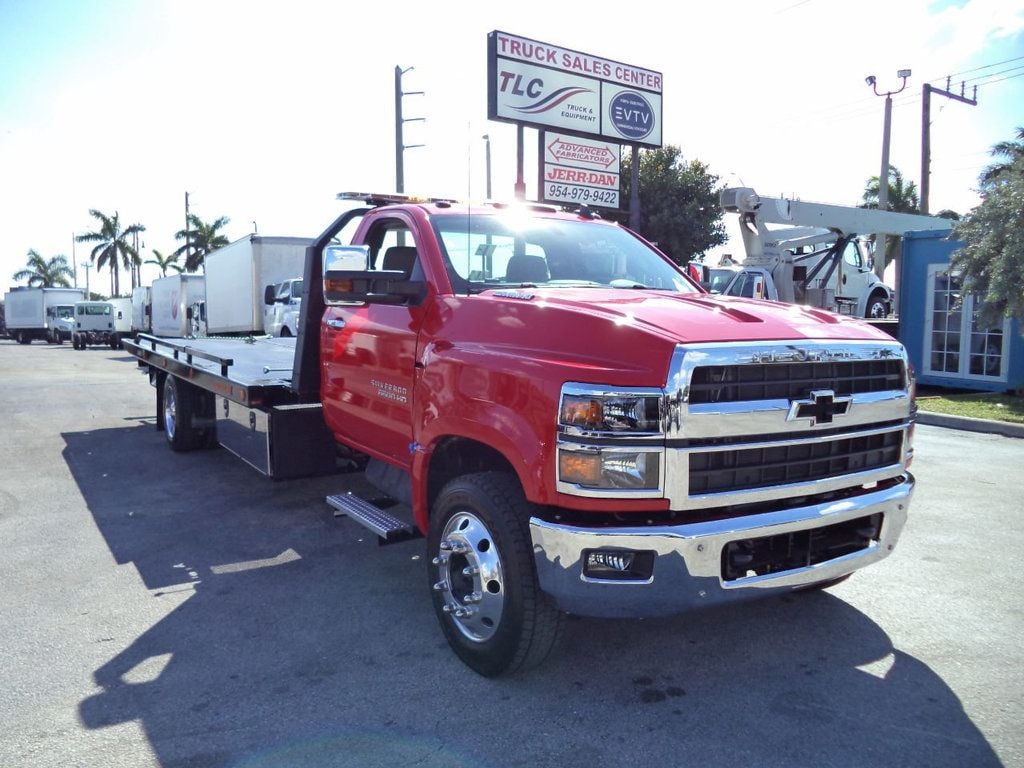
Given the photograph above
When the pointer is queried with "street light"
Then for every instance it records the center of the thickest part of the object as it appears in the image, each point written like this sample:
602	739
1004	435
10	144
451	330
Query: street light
883	176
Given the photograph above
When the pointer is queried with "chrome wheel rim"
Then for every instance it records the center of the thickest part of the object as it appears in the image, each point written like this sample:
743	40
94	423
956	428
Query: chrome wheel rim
170	412
471	579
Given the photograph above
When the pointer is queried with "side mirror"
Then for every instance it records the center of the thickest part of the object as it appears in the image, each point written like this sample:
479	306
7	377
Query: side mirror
268	295
188	313
347	279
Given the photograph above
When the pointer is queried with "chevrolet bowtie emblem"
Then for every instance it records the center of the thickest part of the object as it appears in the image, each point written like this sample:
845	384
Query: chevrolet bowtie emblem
821	408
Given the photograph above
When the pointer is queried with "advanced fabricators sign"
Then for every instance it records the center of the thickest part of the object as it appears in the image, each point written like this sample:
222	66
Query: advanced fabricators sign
543	85
575	170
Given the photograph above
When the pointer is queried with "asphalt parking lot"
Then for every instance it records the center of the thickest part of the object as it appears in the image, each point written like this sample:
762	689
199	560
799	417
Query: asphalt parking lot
162	609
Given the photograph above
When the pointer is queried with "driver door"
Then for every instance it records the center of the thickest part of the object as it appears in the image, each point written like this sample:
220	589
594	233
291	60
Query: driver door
369	354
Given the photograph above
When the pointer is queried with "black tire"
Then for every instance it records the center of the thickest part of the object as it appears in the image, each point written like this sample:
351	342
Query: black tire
76	340
179	407
877	307
113	342
285	332
24	338
507	625
58	339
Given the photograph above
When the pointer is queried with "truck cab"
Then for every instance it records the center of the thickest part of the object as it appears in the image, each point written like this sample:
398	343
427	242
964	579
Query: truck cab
104	323
804	275
282	302
61	323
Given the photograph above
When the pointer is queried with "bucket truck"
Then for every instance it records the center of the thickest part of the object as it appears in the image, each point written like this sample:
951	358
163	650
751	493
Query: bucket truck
814	253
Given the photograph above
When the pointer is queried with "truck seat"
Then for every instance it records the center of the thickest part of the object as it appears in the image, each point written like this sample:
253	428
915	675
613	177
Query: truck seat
401	258
527	269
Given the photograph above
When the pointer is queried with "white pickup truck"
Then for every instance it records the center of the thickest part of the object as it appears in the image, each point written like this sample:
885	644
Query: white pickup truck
283	301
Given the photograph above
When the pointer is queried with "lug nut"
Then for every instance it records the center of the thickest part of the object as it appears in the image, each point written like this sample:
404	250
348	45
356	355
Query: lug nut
470	570
441	559
441	586
473	597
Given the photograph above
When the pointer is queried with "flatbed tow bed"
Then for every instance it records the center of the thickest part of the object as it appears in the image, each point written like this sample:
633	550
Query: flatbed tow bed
236	392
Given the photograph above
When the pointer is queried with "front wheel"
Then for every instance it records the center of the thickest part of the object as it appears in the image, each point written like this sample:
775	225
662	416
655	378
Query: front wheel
877	308
482	576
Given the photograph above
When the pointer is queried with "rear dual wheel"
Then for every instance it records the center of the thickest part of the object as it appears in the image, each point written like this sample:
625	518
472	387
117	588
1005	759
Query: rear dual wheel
183	403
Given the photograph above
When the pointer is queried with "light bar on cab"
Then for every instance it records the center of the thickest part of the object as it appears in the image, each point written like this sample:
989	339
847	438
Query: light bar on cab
391	198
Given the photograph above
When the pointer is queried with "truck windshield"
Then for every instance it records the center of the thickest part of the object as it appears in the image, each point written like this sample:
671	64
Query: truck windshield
489	251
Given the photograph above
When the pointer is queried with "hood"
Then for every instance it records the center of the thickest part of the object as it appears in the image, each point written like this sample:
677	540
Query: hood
695	318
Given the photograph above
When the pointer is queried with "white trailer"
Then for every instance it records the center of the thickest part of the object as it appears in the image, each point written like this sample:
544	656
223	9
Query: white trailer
177	303
31	312
237	277
142	309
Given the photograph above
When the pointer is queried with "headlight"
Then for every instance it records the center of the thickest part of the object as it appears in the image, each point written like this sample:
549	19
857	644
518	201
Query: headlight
612	412
605	468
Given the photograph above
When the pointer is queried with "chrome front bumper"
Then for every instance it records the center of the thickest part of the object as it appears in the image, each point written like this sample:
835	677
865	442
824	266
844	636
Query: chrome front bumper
688	563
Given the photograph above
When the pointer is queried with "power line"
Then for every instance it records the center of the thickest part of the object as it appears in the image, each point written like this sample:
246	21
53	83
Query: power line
986	66
1001	79
993	74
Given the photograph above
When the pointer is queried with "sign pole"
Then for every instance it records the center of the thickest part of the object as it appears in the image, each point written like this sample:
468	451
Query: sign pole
634	189
520	180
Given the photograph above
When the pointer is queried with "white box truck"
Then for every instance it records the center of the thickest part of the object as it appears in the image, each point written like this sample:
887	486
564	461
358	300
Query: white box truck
31	313
142	308
177	305
238	274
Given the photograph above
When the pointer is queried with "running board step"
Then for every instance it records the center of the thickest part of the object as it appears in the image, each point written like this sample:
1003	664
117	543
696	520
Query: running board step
389	529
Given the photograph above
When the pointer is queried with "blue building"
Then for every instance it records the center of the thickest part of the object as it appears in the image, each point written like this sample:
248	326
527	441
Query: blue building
944	340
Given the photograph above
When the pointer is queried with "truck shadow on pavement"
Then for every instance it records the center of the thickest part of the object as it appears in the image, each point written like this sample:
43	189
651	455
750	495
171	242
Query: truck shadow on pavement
286	637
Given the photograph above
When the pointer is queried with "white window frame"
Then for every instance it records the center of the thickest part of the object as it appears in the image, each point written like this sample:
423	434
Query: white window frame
966	318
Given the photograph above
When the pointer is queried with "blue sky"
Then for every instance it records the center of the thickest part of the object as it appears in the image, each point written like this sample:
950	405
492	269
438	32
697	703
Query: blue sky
264	111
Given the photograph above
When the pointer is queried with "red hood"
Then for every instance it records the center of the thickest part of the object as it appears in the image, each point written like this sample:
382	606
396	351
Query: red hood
694	318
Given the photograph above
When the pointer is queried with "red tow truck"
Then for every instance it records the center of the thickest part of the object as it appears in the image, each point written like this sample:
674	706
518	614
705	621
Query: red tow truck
572	424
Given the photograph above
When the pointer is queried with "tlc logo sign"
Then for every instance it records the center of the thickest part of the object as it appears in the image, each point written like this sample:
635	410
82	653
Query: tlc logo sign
511	82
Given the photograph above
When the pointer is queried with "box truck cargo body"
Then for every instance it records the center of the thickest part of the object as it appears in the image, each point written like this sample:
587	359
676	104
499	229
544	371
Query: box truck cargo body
27	310
141	309
176	300
237	276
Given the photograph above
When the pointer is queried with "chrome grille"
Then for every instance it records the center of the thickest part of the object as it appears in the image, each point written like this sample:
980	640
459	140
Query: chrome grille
734	438
792	381
766	466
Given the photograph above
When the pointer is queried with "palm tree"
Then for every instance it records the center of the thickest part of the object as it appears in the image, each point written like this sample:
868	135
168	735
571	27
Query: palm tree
45	273
200	239
113	242
902	194
170	261
1010	150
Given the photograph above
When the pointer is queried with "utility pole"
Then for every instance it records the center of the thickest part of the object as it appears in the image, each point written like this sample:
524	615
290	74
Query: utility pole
88	296
926	138
74	260
400	145
883	176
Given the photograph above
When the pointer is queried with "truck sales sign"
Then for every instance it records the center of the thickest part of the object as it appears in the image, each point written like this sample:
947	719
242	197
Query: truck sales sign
543	85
